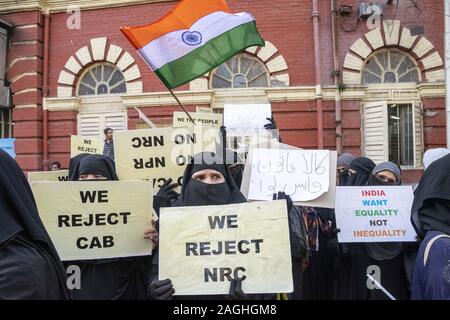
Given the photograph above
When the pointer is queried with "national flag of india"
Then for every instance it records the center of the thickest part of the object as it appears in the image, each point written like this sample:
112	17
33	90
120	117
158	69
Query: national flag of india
193	38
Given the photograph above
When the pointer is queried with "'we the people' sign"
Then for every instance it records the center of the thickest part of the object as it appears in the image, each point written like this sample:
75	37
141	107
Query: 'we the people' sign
180	119
203	248
374	214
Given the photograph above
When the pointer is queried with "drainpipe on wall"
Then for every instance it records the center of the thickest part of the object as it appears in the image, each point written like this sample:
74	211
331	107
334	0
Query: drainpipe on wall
336	76
447	68
319	102
45	90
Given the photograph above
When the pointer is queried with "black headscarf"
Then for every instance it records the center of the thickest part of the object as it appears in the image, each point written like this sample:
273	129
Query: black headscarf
197	193
98	164
344	160
94	164
431	206
110	278
74	166
363	167
385	166
18	213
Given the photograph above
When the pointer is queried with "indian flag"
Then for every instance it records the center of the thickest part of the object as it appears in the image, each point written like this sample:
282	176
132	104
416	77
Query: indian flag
193	38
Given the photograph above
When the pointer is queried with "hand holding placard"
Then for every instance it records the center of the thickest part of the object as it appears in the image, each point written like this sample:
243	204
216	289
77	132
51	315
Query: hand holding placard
204	248
96	220
301	174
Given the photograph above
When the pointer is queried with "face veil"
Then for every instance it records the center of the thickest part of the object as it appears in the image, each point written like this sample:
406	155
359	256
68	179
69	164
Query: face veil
360	171
197	193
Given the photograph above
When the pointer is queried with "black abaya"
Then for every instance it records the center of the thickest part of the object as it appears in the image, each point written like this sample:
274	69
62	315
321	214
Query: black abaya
30	267
109	279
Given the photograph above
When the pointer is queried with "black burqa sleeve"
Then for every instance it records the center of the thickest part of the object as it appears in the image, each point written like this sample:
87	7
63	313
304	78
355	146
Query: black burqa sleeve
23	238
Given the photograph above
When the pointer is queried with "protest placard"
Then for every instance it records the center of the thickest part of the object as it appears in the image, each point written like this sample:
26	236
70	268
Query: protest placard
374	214
96	220
180	119
79	144
160	154
301	174
59	175
246	119
295	172
203	248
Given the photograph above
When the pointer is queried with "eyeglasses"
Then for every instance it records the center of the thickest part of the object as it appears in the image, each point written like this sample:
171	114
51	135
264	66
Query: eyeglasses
386	179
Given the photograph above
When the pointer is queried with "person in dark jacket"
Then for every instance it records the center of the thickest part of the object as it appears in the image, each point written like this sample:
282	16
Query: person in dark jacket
30	267
349	259
430	216
115	278
388	256
205	183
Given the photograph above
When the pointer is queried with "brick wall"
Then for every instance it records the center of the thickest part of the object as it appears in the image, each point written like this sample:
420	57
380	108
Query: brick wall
62	124
287	24
24	71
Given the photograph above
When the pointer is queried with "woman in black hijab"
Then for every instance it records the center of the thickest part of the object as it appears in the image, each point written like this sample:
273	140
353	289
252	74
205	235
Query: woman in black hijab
74	166
206	181
30	267
96	167
350	259
359	171
115	278
430	216
388	256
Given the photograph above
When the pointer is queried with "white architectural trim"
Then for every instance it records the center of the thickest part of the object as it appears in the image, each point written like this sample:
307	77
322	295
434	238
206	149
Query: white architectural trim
268	55
397	92
392	32
77	64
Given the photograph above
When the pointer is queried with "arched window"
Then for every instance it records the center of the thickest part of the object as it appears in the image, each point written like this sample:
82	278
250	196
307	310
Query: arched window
241	71
390	66
101	79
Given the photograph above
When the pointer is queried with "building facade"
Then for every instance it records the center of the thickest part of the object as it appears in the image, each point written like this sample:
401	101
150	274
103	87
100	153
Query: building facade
337	74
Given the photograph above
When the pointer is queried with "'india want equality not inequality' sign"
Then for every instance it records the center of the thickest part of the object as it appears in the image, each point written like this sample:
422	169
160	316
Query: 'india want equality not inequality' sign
374	214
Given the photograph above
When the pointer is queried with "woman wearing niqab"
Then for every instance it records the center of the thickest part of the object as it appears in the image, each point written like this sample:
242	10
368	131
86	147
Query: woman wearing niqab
195	192
115	278
350	259
388	256
30	267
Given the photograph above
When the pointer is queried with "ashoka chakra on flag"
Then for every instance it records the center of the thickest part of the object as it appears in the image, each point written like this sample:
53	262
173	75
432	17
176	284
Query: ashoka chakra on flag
193	38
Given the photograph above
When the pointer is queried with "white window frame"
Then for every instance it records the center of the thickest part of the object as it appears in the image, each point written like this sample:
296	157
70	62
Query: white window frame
383	69
379	152
92	67
102	123
250	56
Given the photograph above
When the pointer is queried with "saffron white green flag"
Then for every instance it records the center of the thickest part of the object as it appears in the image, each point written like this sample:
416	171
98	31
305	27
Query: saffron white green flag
193	38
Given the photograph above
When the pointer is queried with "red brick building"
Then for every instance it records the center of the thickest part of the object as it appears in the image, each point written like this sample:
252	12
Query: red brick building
337	79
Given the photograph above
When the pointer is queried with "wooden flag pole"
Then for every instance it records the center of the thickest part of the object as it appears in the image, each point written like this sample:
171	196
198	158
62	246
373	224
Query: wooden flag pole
181	105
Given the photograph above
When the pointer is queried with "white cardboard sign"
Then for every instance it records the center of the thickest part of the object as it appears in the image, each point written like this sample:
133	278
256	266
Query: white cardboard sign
374	214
